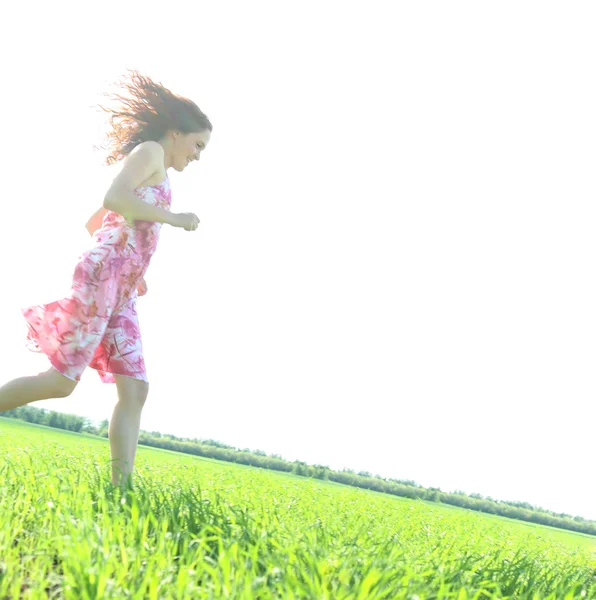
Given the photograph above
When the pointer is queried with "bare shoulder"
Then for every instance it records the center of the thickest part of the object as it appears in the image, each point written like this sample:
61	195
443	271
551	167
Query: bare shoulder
152	154
149	148
142	167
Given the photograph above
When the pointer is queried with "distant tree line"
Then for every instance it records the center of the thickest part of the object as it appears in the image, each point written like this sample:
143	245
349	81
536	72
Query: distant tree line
363	479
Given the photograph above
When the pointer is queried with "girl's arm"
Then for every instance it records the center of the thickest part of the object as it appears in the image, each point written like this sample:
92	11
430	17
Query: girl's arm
143	162
94	223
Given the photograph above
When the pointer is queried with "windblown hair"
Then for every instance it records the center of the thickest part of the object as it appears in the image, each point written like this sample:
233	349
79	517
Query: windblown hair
146	112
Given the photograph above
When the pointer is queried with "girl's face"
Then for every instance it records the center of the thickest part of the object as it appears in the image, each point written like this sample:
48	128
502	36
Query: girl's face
188	147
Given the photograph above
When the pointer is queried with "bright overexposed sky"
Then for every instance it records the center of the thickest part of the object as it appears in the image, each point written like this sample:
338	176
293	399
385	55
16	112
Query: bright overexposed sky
394	270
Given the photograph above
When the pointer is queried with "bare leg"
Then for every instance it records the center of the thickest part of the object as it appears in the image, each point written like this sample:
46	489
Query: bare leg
124	427
20	391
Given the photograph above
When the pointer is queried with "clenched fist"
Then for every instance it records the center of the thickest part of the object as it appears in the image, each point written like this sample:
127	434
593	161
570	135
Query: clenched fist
188	221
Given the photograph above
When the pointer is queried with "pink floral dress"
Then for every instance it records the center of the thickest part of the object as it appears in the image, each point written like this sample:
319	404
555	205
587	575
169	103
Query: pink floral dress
97	325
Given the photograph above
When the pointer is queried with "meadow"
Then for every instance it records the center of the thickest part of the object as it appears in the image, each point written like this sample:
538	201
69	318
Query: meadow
199	528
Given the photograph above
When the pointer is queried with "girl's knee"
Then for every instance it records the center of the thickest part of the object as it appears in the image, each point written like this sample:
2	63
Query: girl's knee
143	391
65	391
61	385
130	389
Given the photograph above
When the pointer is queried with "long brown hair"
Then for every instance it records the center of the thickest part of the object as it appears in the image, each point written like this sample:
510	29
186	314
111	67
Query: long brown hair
146	112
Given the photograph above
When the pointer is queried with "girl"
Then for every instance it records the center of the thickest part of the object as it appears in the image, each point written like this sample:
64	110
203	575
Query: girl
97	326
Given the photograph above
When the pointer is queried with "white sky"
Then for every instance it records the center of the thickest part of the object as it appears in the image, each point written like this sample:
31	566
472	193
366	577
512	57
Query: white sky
394	270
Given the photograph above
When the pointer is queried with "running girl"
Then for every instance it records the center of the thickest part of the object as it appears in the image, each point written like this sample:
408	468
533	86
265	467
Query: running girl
152	130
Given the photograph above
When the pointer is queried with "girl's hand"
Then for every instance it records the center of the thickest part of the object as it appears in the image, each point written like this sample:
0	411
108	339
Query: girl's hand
142	288
188	221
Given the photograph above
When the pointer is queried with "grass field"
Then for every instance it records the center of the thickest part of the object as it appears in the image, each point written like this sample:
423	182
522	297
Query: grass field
200	528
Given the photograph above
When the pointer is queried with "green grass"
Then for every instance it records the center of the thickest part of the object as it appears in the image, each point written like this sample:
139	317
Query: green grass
200	528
